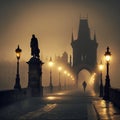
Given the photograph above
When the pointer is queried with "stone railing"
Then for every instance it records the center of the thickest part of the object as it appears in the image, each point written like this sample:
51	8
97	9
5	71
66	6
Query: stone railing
10	96
115	96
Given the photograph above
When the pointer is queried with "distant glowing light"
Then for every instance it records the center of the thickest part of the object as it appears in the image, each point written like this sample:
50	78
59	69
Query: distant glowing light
73	79
61	93
101	67
50	63
92	79
65	72
59	68
68	74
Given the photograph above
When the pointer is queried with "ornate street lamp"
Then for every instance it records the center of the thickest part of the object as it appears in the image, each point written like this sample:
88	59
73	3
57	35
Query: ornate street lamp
65	72
50	65
101	83
59	69
107	80
17	82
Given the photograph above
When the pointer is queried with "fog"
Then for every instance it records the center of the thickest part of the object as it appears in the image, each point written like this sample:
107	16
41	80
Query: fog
53	23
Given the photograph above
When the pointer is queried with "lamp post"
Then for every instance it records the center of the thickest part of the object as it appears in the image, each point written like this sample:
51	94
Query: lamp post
107	80
59	69
50	65
65	72
17	82
72	80
101	83
68	74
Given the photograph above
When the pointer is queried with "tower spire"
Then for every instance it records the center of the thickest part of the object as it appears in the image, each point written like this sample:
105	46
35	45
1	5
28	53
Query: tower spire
94	35
83	31
70	60
72	38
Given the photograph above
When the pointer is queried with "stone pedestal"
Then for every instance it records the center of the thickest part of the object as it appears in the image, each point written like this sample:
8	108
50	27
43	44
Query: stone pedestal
35	88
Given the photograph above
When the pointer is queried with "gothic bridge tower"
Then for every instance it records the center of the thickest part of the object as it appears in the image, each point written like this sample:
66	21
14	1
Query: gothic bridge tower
84	50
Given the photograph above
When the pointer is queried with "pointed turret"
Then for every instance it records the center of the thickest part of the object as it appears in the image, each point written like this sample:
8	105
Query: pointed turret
72	38
70	61
84	31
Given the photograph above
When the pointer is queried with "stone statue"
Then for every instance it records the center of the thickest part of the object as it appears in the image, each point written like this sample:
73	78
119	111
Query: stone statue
34	47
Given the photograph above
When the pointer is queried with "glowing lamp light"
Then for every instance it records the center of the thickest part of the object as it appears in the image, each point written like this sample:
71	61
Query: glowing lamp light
107	55
59	68
18	52
68	74
50	62
65	72
73	79
101	66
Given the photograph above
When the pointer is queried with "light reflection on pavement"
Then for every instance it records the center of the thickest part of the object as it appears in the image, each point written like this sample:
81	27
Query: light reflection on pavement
106	110
36	113
65	105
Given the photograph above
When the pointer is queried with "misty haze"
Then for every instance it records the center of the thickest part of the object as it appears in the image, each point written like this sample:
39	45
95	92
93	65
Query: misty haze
54	22
59	60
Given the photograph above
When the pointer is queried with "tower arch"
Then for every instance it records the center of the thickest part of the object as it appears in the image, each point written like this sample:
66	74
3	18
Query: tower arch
84	76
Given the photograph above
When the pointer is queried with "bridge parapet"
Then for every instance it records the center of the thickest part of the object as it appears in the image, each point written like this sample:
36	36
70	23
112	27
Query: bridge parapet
11	96
115	96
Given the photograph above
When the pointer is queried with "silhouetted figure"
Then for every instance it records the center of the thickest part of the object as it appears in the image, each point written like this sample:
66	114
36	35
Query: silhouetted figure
84	85
34	47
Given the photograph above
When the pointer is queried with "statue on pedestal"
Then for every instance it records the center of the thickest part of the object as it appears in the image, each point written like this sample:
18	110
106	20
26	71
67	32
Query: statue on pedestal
34	47
35	88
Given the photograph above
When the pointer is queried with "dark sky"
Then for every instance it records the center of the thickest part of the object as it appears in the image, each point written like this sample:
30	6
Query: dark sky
53	21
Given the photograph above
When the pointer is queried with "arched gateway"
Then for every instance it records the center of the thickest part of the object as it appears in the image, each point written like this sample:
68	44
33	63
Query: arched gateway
84	50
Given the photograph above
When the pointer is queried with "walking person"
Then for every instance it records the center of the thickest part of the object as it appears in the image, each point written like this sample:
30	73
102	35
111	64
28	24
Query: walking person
84	85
